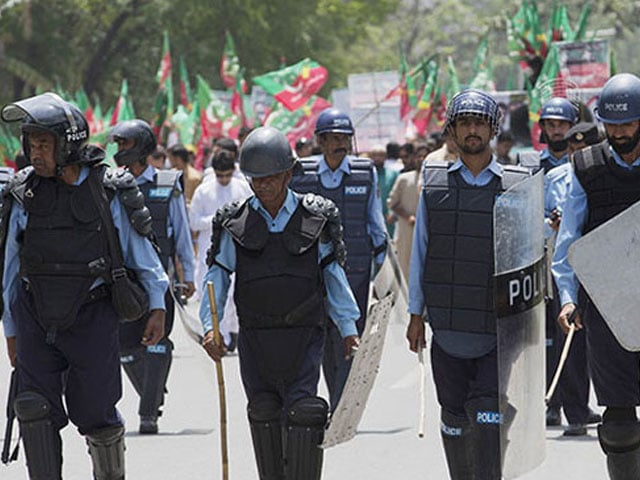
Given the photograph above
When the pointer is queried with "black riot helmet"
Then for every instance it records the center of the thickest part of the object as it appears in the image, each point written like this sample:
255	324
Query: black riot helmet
145	141
50	113
265	151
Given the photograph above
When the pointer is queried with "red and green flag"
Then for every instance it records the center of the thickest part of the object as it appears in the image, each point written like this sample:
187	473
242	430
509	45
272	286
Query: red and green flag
216	119
424	110
124	107
10	145
299	123
186	95
294	85
581	28
230	64
163	104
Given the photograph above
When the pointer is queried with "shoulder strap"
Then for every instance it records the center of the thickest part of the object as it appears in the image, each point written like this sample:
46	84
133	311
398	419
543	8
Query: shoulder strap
100	197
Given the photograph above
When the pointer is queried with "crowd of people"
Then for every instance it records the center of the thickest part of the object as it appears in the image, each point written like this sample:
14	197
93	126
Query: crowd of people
96	259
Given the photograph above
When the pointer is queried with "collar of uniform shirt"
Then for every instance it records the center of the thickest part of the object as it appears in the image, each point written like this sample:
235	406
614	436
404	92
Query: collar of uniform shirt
493	167
344	166
146	175
547	155
84	173
622	163
284	214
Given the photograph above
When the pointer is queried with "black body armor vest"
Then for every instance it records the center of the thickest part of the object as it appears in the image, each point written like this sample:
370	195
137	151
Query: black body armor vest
157	196
278	278
609	187
352	199
64	249
458	278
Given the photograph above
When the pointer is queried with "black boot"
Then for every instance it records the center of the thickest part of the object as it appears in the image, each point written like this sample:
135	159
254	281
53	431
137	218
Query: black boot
620	441
456	439
106	447
485	449
306	419
42	443
265	414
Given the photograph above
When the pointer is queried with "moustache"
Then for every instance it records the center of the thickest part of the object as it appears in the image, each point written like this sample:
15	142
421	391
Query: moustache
340	150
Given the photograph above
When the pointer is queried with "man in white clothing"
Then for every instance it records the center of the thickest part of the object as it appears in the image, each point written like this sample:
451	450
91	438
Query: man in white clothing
208	197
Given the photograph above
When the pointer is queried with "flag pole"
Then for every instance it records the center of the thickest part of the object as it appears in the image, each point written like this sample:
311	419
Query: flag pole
220	376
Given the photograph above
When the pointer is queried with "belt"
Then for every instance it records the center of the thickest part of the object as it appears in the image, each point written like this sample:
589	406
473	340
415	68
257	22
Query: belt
97	293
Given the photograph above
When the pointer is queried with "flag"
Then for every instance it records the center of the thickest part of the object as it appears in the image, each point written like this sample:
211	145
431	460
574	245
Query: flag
10	145
581	29
293	86
186	95
299	123
230	63
424	112
216	119
408	93
453	85
482	70
163	104
184	123
124	108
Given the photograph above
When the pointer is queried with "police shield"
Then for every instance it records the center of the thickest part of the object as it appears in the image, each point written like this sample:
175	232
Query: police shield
606	262
362	375
519	295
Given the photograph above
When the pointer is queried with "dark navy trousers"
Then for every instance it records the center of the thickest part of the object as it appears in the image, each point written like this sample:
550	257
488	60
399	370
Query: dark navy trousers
459	380
83	364
281	361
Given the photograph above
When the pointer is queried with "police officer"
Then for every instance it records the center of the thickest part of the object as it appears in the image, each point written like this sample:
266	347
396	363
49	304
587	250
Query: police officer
604	182
61	327
288	247
557	116
148	366
574	385
352	184
454	284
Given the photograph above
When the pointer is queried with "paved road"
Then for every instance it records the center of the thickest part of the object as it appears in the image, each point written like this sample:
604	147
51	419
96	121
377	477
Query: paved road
386	447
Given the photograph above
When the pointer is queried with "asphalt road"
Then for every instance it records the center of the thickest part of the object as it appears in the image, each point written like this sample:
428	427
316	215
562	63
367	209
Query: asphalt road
386	446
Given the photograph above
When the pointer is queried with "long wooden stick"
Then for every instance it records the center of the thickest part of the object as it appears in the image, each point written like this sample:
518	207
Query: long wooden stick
563	358
220	375
422	395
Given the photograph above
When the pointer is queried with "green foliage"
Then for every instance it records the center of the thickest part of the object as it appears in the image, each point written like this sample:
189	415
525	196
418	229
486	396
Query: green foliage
96	44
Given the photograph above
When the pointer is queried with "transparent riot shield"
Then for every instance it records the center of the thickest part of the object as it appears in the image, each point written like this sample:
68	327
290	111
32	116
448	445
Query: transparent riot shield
606	262
519	301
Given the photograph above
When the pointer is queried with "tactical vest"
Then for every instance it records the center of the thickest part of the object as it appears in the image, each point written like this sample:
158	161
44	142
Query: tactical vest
278	278
610	188
158	195
64	248
459	265
352	199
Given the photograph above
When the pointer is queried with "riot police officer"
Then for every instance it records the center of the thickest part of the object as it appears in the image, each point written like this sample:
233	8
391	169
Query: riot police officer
287	246
557	116
603	183
451	276
352	184
148	366
60	323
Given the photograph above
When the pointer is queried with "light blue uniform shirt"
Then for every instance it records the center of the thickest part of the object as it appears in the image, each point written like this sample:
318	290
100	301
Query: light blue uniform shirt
573	220
341	304
547	156
137	251
556	188
462	344
178	225
376	227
